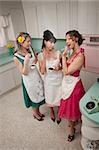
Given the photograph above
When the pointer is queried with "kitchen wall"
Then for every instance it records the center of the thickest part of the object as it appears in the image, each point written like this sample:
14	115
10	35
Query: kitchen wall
61	16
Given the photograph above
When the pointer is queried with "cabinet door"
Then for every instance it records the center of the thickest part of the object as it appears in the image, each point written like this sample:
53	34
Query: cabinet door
73	15
47	18
16	76
82	17
31	18
18	20
91	17
6	81
63	18
87	17
97	21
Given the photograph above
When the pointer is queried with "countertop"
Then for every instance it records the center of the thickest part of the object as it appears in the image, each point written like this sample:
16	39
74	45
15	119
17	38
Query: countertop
5	58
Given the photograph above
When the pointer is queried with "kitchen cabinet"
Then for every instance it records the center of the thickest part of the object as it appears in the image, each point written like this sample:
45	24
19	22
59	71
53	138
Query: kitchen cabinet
18	20
91	17
82	17
88	18
30	13
67	19
6	81
97	21
63	18
59	17
73	18
40	17
16	76
47	18
9	77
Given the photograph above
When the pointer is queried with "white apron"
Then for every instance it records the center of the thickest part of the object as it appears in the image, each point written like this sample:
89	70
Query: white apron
33	82
52	83
68	84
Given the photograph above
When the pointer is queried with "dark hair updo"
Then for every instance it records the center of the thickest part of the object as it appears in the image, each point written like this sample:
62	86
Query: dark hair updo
76	34
48	36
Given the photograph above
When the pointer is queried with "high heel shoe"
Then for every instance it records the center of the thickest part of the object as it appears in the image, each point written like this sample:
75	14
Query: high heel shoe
71	137
58	121
39	119
53	119
42	115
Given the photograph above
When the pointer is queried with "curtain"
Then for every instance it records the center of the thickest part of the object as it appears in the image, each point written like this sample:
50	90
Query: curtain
3	25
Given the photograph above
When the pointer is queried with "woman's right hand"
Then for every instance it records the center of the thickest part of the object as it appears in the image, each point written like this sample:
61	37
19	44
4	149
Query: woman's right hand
27	58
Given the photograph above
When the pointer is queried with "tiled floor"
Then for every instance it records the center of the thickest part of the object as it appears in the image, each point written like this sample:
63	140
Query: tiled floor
20	131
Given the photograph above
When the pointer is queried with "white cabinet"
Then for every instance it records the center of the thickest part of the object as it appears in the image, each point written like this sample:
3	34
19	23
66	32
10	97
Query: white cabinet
9	77
82	16
47	18
18	20
6	81
16	76
63	18
88	17
31	20
73	15
59	17
91	17
67	17
97	16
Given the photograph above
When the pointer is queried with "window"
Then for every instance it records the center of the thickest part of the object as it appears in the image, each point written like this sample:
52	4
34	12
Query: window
3	25
6	30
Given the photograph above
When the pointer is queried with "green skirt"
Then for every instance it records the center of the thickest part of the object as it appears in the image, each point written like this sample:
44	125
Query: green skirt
27	100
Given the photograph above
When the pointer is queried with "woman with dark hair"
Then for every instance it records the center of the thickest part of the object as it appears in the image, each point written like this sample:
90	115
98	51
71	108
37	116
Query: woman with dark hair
33	90
50	66
72	88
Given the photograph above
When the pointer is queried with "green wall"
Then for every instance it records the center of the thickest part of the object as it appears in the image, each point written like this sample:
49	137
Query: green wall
37	44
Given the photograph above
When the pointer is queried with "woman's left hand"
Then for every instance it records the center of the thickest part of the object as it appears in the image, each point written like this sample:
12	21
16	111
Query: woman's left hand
65	52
